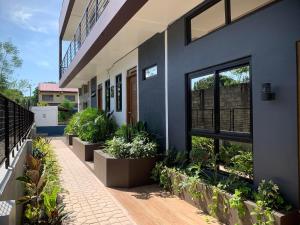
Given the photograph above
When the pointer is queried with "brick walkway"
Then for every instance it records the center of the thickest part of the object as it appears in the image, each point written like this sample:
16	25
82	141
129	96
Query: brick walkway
86	197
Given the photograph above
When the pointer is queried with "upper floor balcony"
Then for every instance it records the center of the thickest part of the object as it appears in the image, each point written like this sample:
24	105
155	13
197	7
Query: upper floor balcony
92	13
107	30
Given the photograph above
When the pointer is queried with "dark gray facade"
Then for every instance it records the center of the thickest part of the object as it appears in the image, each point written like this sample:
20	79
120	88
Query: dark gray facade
269	37
152	90
93	92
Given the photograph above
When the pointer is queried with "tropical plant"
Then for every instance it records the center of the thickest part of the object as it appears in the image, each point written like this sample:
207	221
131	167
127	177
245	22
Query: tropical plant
42	186
128	132
95	126
65	111
140	147
202	150
73	125
269	194
42	104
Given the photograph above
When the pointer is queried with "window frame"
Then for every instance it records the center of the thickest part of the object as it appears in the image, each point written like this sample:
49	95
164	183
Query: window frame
119	97
148	67
217	134
67	96
51	99
107	95
210	3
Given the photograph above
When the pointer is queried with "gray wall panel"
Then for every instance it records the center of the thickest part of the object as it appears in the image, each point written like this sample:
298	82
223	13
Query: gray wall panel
269	36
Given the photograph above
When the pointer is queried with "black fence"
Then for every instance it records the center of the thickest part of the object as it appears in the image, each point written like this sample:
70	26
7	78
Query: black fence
15	124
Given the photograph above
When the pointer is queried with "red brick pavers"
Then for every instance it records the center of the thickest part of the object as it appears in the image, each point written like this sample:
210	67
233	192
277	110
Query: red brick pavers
86	198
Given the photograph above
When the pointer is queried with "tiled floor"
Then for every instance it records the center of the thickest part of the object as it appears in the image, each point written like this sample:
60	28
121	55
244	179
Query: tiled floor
87	199
92	203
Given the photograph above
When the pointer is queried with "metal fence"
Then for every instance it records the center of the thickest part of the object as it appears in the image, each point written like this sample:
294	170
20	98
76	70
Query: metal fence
91	15
231	119
15	124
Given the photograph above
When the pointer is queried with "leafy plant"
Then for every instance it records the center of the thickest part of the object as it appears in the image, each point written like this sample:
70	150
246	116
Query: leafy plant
243	163
263	214
213	207
268	193
42	186
140	147
73	124
128	132
118	148
65	111
237	202
94	126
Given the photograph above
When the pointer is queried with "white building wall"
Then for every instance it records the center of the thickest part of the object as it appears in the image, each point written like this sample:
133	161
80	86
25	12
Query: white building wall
120	67
45	115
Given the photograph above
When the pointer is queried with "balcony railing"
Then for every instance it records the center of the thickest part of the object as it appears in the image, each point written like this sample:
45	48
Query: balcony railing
15	124
91	15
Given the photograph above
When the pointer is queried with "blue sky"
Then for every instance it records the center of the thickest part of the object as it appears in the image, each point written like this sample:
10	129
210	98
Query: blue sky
32	25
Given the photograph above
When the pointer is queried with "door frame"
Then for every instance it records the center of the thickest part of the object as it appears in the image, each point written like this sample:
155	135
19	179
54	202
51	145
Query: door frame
130	73
100	97
298	104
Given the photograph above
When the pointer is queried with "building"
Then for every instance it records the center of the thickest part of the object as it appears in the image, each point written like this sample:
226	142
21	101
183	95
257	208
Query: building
53	95
222	69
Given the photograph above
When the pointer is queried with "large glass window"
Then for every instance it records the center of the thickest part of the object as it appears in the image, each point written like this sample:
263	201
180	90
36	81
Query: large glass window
107	96
202	91
208	20
241	8
235	100
209	17
220	117
119	93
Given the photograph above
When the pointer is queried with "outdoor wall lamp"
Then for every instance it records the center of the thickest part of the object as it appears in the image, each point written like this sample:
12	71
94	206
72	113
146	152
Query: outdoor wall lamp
266	92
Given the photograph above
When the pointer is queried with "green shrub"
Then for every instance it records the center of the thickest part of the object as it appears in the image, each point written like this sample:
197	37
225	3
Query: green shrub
269	194
95	126
128	132
140	147
118	148
132	141
65	111
73	125
42	186
202	150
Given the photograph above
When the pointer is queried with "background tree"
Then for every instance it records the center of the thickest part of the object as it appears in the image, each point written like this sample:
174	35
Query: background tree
9	61
65	111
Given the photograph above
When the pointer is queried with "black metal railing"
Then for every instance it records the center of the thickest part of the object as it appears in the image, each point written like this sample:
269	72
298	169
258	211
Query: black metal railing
15	124
91	15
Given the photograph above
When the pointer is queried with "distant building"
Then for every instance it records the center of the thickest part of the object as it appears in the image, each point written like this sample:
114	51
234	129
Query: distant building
53	95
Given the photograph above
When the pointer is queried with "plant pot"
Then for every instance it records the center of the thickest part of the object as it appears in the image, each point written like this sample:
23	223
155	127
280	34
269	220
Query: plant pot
224	213
127	173
85	150
69	138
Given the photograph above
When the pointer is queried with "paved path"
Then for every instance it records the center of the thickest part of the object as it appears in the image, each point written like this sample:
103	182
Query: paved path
87	198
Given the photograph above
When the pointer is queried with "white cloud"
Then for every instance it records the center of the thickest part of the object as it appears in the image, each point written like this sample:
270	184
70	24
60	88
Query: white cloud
43	63
33	19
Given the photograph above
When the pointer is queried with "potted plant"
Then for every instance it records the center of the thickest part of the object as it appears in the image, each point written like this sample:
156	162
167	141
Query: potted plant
230	197
128	158
72	128
94	128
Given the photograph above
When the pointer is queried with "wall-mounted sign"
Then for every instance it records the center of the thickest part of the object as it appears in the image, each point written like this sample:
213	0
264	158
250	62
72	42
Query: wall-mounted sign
150	72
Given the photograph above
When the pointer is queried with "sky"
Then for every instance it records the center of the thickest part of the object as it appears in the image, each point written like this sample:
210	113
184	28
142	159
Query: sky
32	26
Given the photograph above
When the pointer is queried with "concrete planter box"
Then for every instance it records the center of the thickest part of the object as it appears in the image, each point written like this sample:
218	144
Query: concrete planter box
228	215
85	150
69	138
127	173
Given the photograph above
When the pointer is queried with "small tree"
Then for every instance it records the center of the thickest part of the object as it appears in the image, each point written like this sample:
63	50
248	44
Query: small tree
65	111
9	61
